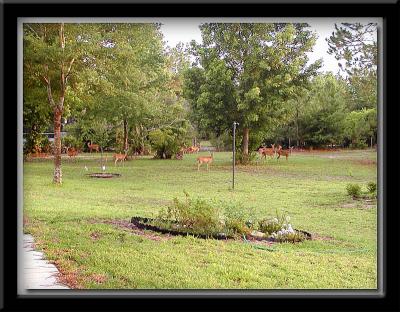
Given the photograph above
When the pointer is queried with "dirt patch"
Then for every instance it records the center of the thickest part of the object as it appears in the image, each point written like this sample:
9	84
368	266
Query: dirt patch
365	162
316	236
349	205
98	278
127	225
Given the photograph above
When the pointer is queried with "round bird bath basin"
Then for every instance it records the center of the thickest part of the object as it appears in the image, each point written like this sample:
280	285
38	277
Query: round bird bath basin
104	175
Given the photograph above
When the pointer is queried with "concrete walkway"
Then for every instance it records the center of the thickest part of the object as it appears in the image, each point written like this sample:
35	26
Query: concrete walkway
38	273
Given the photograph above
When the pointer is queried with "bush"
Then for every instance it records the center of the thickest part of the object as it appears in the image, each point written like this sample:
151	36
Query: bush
222	142
236	221
280	229
166	143
193	215
269	225
288	236
38	143
71	141
371	187
46	145
353	190
245	159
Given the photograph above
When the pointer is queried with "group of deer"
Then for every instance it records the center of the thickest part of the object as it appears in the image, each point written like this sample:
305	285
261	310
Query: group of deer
73	152
190	150
117	156
272	151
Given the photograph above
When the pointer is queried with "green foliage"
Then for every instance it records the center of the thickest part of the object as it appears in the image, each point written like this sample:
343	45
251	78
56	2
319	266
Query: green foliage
353	190
291	237
356	45
269	225
280	229
243	76
72	141
222	142
245	159
359	126
322	123
237	220
165	143
193	215
371	187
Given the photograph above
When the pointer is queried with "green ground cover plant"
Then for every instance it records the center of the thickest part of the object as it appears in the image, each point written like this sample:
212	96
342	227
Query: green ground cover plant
82	225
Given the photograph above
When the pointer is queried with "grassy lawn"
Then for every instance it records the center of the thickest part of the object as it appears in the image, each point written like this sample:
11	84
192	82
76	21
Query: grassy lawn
70	222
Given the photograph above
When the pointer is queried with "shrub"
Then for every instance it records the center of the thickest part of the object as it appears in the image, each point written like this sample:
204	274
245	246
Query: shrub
288	236
195	215
236	221
245	159
269	225
353	190
166	143
280	229
371	187
71	141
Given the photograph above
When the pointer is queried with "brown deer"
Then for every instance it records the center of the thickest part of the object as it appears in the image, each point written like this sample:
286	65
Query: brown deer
195	149
204	159
264	151
121	157
95	147
72	152
283	152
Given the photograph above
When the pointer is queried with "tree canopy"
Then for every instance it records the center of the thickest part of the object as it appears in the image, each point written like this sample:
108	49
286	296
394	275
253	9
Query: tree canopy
245	73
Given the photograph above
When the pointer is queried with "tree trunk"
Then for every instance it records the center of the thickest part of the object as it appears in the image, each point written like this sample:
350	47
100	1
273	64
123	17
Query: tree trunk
125	135
57	178
245	145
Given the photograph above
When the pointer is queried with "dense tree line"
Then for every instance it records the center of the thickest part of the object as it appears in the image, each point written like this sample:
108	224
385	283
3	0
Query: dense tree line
120	87
258	74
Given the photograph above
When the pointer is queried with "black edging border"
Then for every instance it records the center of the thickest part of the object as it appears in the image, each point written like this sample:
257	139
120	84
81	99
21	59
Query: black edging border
109	175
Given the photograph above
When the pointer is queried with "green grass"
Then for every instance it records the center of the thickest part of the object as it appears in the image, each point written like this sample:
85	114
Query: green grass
310	187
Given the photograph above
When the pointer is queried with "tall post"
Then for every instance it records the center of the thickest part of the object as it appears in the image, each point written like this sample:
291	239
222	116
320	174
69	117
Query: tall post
234	154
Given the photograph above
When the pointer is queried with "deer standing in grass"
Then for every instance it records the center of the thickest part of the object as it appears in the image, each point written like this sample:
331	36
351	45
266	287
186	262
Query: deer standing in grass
283	152
205	159
93	147
121	157
72	152
264	151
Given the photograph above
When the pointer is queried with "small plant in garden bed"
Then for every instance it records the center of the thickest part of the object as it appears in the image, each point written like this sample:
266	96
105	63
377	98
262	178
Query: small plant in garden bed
280	230
355	191
191	215
371	189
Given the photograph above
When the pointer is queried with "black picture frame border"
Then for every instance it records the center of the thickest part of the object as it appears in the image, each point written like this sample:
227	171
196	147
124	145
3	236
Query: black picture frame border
8	246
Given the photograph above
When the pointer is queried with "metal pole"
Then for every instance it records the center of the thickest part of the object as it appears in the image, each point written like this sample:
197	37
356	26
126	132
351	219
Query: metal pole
234	154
